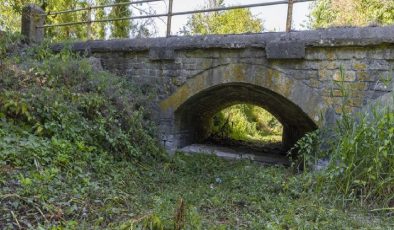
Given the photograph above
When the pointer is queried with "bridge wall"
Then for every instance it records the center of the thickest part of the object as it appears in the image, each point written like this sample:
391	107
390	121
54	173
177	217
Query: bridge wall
296	76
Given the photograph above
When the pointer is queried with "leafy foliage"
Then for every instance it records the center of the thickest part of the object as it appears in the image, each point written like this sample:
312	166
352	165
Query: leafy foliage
59	97
10	19
120	29
304	154
327	13
8	42
246	122
228	22
62	125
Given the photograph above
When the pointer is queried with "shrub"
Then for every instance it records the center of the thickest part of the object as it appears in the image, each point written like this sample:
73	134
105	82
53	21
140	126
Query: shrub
67	133
59	96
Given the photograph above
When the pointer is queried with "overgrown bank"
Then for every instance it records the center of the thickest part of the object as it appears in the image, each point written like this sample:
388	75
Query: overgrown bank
77	151
61	126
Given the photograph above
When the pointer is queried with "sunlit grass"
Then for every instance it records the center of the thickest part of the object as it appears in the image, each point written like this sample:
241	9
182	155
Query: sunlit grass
247	123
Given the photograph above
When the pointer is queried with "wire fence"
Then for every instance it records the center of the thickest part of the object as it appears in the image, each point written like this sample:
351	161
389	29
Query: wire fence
169	13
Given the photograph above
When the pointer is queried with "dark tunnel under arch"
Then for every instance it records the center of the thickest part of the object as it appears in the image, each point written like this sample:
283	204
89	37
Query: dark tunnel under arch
192	118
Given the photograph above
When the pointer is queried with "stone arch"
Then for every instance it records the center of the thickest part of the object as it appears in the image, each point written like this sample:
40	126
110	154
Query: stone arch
188	110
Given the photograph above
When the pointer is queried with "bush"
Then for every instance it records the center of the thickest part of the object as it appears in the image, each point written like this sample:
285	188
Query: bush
58	96
70	137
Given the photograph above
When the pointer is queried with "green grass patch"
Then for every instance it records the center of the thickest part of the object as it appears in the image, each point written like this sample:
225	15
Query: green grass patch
100	192
247	123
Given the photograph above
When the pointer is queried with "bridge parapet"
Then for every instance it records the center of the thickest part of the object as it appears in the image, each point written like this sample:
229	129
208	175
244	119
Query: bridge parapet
333	37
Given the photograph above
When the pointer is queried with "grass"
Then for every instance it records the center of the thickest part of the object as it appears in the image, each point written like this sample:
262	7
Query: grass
247	123
217	194
250	196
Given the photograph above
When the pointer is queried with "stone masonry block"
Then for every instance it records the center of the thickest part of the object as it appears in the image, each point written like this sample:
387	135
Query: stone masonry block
32	18
161	53
285	50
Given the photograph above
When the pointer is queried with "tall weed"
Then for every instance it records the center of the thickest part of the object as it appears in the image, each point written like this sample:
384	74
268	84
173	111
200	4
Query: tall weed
362	156
360	149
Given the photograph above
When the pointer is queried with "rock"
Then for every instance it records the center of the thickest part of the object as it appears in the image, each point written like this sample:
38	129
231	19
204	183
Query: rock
96	64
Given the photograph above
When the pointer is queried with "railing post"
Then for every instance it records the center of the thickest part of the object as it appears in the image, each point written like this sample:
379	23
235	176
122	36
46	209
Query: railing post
32	18
289	15
169	17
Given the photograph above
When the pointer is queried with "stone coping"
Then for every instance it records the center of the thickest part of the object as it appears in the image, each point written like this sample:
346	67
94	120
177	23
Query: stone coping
331	37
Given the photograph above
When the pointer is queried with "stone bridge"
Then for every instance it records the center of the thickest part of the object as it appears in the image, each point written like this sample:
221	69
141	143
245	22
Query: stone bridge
295	76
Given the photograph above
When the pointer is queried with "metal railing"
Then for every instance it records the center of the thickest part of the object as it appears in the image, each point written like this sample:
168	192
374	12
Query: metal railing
169	13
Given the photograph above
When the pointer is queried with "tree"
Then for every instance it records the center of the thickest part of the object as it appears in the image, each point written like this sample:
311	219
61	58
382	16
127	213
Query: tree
66	32
11	18
214	3
227	22
11	10
120	29
327	13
